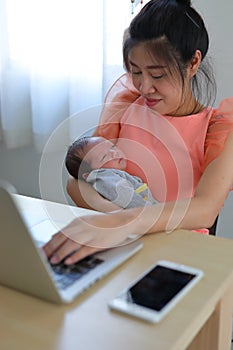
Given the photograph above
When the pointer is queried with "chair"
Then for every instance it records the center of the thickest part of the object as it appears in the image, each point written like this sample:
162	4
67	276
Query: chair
213	228
225	221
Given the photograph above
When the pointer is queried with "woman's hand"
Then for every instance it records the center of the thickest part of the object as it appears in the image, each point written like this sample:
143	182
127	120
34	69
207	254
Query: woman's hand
89	234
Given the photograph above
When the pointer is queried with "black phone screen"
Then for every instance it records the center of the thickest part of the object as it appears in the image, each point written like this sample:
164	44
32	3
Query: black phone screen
158	287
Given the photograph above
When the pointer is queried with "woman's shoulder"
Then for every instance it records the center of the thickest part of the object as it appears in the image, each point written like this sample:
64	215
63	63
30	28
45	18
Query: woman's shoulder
223	113
221	121
119	97
220	126
122	90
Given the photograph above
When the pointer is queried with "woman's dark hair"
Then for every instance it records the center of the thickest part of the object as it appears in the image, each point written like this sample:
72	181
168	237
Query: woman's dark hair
172	31
74	162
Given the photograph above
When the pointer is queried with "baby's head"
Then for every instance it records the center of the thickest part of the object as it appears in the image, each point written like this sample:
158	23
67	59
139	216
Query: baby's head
89	153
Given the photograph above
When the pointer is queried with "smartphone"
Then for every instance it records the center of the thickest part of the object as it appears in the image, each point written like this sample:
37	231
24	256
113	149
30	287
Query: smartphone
157	291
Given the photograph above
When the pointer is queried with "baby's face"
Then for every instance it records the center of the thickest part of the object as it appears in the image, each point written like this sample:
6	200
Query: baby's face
102	153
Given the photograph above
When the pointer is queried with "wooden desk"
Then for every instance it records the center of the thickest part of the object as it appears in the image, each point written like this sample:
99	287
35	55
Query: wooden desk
201	321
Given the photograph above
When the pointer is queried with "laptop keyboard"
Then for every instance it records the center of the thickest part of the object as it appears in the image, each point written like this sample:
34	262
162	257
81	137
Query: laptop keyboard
66	275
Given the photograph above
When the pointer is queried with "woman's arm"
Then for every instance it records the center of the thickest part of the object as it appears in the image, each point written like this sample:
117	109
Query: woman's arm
83	195
91	233
211	193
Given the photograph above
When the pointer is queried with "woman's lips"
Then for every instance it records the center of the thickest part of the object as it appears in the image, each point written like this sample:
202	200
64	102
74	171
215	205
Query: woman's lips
152	102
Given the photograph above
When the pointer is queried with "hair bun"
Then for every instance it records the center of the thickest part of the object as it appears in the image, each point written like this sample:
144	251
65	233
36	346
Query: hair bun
184	2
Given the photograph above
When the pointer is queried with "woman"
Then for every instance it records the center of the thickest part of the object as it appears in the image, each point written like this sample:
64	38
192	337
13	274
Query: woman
167	130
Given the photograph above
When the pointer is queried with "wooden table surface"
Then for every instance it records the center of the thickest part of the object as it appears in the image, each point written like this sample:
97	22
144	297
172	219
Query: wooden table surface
200	321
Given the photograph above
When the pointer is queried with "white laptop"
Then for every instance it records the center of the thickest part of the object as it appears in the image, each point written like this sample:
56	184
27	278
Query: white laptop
24	266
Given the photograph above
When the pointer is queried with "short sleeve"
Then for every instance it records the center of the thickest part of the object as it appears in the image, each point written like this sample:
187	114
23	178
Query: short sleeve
119	97
220	125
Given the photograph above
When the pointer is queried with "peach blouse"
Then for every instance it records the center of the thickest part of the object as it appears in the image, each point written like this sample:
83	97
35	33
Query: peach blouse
168	153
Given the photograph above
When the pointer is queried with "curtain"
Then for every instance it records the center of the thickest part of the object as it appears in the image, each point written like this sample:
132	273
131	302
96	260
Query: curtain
57	57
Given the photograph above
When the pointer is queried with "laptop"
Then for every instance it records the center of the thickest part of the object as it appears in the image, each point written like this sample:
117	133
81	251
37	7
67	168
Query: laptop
24	266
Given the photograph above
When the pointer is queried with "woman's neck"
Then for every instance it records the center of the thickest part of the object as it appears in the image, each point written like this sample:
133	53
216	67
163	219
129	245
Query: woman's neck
189	107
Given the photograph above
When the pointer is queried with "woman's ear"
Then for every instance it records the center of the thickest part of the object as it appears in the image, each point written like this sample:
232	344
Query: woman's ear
195	63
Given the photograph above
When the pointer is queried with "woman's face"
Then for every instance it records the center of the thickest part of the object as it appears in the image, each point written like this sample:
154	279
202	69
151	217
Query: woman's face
163	93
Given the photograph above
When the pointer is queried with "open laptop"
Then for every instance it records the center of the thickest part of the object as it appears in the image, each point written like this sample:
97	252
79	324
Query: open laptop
24	266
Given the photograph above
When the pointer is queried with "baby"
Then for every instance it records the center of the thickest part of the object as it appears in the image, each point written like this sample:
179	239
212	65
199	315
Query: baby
99	162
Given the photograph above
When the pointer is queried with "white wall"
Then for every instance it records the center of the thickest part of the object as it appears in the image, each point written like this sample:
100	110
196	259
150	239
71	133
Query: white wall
218	18
225	222
21	166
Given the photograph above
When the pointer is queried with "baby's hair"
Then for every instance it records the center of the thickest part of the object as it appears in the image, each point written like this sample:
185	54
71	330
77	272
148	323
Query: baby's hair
184	2
172	31
74	162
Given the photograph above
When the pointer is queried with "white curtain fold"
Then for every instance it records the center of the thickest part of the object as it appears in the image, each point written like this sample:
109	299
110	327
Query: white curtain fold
56	59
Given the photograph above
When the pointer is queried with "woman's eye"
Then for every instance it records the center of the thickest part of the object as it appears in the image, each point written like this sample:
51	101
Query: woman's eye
135	73
157	76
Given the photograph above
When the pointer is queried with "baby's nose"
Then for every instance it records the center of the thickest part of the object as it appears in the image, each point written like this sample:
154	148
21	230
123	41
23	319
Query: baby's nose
115	153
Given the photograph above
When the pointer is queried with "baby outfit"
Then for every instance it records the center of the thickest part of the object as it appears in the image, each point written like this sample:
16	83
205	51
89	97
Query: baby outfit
120	188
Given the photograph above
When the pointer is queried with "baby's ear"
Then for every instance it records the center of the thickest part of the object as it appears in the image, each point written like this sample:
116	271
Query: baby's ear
85	175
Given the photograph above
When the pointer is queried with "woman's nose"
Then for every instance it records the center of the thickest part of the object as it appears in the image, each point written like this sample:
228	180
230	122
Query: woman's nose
147	86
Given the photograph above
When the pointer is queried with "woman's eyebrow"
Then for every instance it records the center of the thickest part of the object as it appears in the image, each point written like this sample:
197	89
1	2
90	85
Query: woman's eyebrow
155	66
